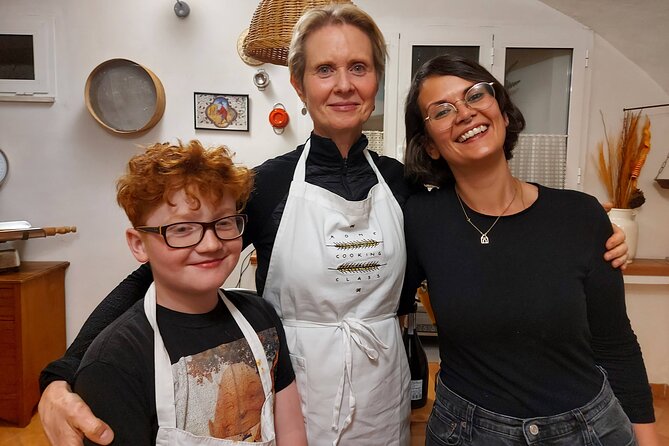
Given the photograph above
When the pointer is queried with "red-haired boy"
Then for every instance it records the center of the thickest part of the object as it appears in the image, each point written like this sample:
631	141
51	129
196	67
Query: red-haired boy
190	363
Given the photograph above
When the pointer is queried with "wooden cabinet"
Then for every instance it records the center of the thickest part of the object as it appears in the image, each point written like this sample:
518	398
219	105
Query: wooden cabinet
32	333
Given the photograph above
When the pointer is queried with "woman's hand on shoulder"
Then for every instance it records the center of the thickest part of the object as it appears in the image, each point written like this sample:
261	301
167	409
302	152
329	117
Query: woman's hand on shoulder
66	418
616	248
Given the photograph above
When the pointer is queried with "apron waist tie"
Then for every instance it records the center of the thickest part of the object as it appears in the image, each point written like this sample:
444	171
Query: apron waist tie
363	335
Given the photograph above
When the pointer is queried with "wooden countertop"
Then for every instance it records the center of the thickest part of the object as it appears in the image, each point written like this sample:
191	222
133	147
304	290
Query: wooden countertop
28	270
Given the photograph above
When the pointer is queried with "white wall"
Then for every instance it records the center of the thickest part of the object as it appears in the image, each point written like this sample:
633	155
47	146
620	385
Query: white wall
63	164
618	84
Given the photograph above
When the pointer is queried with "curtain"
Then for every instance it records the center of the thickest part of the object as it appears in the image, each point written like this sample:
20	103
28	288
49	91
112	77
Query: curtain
540	159
375	138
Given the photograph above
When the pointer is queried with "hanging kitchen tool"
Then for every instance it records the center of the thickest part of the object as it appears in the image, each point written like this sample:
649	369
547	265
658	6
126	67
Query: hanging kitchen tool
278	118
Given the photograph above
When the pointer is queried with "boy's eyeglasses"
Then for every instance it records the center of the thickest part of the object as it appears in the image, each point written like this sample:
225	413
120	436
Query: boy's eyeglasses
479	97
189	233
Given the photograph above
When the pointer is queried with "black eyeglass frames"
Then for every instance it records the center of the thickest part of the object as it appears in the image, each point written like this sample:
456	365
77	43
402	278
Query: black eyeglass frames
189	233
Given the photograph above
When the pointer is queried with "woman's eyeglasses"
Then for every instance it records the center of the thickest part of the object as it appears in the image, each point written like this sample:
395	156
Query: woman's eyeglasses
189	233
479	97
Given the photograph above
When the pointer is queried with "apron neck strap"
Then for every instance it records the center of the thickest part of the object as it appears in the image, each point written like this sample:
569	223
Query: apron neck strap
164	381
301	169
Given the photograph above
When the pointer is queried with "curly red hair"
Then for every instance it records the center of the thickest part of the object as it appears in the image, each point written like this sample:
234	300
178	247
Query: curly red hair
153	176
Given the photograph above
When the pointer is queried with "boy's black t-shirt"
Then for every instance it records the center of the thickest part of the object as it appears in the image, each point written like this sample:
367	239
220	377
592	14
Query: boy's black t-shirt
217	386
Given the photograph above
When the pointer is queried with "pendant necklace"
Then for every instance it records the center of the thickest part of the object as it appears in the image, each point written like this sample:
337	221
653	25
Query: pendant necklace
484	235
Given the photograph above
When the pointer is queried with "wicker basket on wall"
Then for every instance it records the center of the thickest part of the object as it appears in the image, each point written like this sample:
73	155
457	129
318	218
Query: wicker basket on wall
272	27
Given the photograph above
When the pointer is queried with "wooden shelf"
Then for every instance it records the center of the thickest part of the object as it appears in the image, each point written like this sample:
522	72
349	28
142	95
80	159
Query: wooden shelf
648	267
647	271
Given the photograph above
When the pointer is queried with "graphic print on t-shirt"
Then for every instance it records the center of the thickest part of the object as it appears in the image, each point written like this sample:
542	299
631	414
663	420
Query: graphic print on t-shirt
218	392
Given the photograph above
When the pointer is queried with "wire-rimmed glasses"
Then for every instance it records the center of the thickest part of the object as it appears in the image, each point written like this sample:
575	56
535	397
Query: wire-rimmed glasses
478	97
189	233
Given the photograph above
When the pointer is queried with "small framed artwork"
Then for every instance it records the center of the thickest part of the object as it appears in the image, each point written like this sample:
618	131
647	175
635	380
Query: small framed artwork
215	111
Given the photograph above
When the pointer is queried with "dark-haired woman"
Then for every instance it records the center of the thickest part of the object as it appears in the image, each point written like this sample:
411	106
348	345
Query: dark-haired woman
535	343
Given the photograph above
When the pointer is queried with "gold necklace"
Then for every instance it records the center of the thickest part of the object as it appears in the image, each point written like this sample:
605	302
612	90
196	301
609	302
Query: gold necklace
484	235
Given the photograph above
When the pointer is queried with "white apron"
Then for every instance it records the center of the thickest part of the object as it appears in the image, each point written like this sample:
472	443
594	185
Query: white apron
168	434
334	278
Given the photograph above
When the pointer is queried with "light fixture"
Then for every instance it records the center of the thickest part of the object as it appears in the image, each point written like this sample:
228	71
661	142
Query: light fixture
261	79
181	9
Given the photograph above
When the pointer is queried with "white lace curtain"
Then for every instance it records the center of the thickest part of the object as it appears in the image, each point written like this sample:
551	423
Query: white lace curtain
541	159
375	138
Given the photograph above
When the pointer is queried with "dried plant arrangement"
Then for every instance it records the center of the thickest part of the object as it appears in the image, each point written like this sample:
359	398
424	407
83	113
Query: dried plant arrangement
620	164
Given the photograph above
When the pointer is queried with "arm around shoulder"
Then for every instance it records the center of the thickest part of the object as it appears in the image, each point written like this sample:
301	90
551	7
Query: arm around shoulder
66	418
288	419
120	398
617	249
126	293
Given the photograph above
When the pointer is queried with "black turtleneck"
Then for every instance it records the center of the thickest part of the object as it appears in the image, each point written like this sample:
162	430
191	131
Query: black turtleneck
351	178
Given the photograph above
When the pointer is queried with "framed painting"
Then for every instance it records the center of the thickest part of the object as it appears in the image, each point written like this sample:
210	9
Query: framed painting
214	111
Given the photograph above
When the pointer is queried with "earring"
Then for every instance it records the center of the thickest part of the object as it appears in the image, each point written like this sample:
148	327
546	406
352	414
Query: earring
304	109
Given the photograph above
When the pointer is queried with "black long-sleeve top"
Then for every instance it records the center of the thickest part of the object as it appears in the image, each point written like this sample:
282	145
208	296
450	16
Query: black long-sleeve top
351	178
524	321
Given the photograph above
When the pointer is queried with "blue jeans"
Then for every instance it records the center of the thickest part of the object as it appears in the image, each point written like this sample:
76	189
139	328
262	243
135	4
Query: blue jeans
456	421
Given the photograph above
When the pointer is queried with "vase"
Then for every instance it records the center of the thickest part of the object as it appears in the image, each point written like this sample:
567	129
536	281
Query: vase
625	219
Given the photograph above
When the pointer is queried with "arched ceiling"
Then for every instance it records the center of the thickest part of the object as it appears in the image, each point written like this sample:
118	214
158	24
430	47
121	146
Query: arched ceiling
639	29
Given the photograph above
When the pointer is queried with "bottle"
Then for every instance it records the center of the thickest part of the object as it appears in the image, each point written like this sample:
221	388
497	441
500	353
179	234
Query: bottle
417	363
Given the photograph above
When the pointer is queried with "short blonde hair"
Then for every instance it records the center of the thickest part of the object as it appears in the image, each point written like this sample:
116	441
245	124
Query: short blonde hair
153	176
334	14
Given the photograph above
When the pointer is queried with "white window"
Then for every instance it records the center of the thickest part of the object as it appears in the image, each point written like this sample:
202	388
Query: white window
27	59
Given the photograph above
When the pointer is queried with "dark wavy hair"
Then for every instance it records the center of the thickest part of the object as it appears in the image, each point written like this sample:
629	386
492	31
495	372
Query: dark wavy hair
418	164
